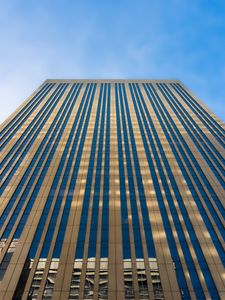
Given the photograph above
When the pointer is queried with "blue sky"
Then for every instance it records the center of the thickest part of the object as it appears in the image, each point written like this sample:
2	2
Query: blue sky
175	39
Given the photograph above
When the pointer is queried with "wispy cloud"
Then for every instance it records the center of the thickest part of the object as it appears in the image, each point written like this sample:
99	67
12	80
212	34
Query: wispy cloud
112	39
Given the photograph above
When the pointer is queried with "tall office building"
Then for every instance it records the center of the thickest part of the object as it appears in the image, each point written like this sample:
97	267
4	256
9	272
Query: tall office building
112	189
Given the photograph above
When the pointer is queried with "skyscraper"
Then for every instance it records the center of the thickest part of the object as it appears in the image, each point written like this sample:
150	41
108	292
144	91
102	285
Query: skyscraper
112	189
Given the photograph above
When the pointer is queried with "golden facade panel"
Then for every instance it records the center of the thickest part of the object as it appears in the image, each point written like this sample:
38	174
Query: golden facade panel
112	189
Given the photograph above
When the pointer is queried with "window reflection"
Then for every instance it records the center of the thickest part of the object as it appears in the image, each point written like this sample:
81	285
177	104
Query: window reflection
156	282
33	293
7	258
51	278
128	279
91	275
75	281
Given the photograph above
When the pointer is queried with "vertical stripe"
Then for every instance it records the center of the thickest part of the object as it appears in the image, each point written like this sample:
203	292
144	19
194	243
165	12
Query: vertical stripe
17	121
194	277
105	206
85	206
123	198
203	115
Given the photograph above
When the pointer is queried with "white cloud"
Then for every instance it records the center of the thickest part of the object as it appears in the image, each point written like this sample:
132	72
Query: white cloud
109	40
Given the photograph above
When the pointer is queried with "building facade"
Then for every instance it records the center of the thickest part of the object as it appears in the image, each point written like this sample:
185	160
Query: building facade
112	189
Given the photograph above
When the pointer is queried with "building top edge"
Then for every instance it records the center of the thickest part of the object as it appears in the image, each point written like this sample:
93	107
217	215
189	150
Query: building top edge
114	80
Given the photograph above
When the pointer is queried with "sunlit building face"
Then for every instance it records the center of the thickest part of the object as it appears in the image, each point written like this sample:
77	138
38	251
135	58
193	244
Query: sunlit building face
112	189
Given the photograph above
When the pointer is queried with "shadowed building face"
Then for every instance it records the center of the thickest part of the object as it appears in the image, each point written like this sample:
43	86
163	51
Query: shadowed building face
112	189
